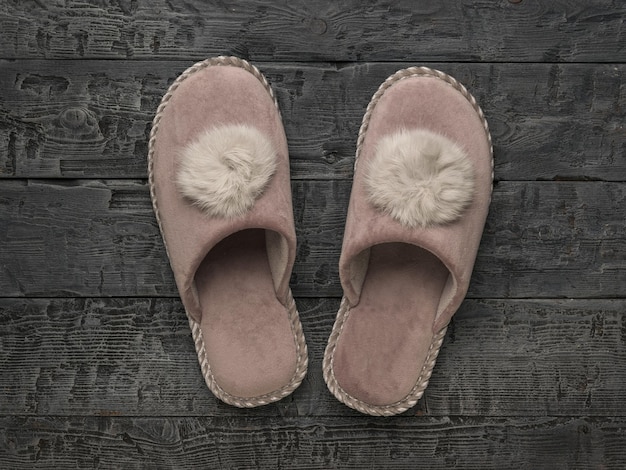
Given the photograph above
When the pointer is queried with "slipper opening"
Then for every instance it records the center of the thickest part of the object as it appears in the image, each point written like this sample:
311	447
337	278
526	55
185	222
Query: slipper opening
387	335
247	334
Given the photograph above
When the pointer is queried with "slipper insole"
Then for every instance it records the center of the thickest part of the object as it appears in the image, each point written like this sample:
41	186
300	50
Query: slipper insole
247	334
386	337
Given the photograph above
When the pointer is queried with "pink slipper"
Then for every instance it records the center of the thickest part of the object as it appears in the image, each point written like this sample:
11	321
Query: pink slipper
219	181
420	197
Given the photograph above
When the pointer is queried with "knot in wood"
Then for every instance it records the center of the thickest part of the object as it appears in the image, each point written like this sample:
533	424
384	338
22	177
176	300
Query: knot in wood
75	124
317	26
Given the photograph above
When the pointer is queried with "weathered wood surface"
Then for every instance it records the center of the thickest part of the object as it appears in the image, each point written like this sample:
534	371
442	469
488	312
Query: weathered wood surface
382	30
349	443
100	238
92	118
135	357
97	365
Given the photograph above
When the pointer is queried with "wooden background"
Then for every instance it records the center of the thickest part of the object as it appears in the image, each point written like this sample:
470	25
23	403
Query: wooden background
97	366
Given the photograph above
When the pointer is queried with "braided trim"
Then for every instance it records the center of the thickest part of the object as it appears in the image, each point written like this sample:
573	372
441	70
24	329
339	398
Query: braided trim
344	310
376	410
302	359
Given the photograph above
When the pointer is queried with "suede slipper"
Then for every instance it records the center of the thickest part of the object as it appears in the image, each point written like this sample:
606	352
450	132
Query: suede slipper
219	182
420	197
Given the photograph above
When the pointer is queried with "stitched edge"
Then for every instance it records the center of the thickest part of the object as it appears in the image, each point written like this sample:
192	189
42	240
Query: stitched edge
344	310
296	327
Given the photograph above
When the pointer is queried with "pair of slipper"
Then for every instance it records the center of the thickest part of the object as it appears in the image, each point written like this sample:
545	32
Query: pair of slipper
219	182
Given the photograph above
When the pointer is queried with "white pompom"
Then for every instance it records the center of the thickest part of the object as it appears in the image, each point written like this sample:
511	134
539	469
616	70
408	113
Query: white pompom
420	178
226	169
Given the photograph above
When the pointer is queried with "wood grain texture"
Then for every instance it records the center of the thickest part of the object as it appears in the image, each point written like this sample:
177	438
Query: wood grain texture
92	118
97	364
99	238
135	357
349	30
349	443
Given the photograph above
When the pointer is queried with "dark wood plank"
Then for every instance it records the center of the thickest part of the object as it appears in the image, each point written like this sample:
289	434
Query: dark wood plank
356	443
99	238
548	121
553	240
97	366
114	357
539	30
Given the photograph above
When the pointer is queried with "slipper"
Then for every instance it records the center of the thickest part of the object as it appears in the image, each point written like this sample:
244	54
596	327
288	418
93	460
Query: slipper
420	197
220	188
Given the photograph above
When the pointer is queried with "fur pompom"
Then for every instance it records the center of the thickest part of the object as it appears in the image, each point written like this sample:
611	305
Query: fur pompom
420	178
226	169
